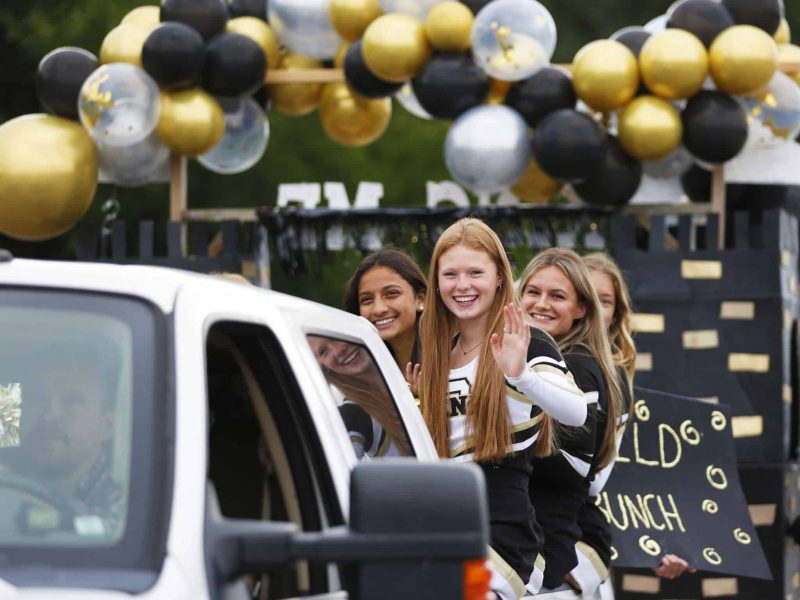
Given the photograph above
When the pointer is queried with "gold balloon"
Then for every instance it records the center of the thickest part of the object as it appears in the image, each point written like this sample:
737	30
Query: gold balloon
341	54
395	47
261	33
535	186
149	16
124	44
191	122
790	54
351	17
743	58
498	90
350	119
296	99
448	27
784	33
674	64
650	128
48	176
605	75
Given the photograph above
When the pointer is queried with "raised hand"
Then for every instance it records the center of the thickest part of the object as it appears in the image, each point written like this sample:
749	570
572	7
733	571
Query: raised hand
672	566
414	378
510	349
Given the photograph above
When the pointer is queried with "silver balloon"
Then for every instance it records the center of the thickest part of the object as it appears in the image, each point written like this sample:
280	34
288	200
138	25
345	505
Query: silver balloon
656	24
119	104
139	163
418	8
513	39
487	148
408	100
777	107
673	165
304	26
245	139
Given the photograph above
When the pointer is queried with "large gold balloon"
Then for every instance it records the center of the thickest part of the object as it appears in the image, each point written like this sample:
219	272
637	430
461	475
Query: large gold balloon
149	16
351	17
535	186
674	64
350	119
650	128
605	75
784	33
790	54
48	176
191	122
395	47
124	44
448	27
743	58
261	33
296	99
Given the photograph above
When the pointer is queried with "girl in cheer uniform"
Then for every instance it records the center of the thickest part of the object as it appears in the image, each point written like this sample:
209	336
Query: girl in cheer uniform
488	387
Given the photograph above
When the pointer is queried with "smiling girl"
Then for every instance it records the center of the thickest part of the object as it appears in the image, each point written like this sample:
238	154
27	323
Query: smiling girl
488	387
558	297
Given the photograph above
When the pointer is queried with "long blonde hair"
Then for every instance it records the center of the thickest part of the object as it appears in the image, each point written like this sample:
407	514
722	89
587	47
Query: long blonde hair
619	331
589	331
487	413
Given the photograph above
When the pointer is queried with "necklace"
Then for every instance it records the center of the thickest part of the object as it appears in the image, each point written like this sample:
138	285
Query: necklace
467	351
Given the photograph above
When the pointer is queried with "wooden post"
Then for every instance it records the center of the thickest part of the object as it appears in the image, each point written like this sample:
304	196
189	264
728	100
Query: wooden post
718	200
177	187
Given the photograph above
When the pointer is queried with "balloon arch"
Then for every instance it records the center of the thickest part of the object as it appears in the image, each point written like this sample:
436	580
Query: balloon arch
188	79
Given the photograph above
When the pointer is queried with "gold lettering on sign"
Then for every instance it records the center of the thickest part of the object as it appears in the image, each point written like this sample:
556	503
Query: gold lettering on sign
689	433
639	512
710	507
712	556
614	554
647	323
662	429
749	363
716	477
636	454
671	513
743	311
641	410
718	420
649	545
653	524
701	339
747	426
741	536
701	269
644	361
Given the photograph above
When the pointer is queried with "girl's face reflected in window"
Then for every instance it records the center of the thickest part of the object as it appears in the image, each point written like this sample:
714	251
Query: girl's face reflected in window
340	356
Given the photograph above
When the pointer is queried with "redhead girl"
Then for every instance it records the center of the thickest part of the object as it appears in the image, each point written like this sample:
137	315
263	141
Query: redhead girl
557	294
488	387
388	289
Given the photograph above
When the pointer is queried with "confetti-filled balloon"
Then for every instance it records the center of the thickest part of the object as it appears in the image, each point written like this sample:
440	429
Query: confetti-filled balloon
777	107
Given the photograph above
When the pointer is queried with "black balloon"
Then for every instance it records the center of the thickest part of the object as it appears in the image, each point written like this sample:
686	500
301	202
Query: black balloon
207	16
234	65
450	84
59	79
704	18
633	38
569	145
475	5
361	79
173	55
765	14
247	8
696	184
617	180
549	89
714	126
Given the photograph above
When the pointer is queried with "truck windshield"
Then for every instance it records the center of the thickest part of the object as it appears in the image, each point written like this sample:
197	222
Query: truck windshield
78	383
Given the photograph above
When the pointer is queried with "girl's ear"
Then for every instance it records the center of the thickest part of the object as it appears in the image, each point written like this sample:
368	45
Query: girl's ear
580	312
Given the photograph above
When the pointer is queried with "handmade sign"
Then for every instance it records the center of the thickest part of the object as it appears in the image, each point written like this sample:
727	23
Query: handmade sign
675	489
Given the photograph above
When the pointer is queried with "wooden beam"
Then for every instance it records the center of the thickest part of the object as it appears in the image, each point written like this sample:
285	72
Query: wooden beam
177	187
282	76
718	202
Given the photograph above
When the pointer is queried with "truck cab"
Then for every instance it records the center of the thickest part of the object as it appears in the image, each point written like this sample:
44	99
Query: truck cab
173	435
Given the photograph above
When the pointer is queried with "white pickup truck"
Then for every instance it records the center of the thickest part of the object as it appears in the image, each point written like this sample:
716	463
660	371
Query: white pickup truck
166	435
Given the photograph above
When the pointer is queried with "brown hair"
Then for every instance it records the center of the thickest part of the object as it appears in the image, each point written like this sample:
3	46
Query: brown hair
588	331
487	414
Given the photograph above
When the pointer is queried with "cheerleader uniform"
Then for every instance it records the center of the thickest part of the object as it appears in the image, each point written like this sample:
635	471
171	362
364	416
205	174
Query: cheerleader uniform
560	483
367	435
545	384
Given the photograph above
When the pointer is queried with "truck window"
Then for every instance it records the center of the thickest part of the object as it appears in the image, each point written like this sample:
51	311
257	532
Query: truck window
365	403
264	460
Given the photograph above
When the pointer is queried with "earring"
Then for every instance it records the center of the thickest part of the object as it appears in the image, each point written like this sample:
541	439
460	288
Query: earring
419	308
437	291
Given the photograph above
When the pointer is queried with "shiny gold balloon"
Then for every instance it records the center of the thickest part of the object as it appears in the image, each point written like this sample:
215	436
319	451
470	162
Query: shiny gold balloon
191	122
149	16
742	59
296	99
650	128
341	54
48	176
351	17
498	90
261	33
124	44
605	75
784	33
350	119
674	64
448	27
535	186
395	47
790	54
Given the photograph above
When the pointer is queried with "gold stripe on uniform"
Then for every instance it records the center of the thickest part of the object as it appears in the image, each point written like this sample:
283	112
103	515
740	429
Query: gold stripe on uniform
518	427
509	574
594	558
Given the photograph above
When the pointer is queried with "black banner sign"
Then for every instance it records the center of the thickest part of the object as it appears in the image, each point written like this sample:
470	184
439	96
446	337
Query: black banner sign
675	489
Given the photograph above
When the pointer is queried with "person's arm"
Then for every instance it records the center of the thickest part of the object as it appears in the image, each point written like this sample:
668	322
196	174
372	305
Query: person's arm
672	567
